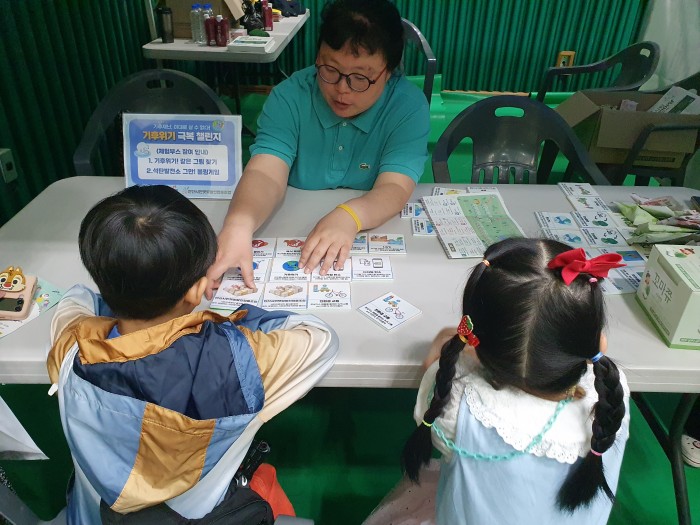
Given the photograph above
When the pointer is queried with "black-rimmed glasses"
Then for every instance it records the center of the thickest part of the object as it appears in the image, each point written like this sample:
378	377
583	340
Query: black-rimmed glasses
356	81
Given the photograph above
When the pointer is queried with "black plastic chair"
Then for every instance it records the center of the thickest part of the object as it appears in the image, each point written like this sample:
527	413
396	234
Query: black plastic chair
150	91
412	34
637	64
506	147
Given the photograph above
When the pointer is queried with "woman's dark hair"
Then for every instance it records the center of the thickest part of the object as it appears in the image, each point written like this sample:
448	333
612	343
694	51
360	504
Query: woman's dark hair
145	247
374	25
536	333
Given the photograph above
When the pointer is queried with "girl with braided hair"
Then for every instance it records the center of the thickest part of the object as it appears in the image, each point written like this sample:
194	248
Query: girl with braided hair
529	414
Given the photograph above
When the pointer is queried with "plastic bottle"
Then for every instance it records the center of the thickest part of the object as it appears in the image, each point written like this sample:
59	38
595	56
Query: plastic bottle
195	23
222	30
210	29
166	23
267	15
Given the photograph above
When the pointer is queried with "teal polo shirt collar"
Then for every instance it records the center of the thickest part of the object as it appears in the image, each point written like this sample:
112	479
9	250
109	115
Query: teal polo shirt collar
364	122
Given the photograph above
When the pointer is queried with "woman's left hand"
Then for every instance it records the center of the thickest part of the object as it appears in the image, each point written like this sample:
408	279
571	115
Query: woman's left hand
329	242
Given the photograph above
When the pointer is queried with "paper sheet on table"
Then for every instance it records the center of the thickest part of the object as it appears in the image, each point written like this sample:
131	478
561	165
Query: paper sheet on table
15	443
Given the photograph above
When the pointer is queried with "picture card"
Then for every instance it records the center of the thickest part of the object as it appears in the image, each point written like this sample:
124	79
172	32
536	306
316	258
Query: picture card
260	267
334	275
289	246
232	294
422	227
630	256
365	267
573	238
287	269
389	311
359	245
413	209
548	219
286	296
593	203
602	237
594	219
622	280
334	295
264	247
577	189
391	243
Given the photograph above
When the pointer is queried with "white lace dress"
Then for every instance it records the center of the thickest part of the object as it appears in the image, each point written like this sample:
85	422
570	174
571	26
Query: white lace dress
520	490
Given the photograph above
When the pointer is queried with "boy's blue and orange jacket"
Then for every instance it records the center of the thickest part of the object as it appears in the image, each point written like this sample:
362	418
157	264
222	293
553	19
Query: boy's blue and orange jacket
166	414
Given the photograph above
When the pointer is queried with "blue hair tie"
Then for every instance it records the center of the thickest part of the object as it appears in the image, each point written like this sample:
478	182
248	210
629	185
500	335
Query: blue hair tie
596	357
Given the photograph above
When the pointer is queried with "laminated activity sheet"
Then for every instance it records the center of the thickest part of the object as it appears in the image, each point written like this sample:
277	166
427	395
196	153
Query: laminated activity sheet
368	268
389	243
360	244
289	246
466	224
287	269
334	295
286	296
264	247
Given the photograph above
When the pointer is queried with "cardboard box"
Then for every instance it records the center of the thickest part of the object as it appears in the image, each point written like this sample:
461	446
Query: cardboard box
609	134
231	9
670	294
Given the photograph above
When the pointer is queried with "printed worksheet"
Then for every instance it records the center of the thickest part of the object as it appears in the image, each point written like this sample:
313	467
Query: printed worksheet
287	269
260	268
389	243
464	222
344	275
548	219
423	227
286	296
389	311
289	246
371	267
264	247
232	294
359	245
332	295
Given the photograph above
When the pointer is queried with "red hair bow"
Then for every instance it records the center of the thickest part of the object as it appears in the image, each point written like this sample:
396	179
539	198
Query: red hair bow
574	262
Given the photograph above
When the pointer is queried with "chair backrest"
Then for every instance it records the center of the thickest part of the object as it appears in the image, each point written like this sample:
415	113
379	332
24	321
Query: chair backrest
149	91
505	147
412	34
637	64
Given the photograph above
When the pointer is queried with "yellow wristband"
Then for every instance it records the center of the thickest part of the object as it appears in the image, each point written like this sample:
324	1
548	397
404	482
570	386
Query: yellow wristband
352	214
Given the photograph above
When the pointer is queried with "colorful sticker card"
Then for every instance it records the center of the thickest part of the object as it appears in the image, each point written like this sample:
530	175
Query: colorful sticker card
287	269
289	246
393	243
577	189
371	267
573	238
592	203
389	311
333	274
412	209
594	219
333	295
602	237
264	247
547	219
422	227
286	296
232	294
359	245
260	267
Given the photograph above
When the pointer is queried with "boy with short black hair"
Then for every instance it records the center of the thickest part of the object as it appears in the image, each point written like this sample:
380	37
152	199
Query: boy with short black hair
160	404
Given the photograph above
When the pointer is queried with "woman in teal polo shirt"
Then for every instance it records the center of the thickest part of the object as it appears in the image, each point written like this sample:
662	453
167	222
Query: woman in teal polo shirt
348	121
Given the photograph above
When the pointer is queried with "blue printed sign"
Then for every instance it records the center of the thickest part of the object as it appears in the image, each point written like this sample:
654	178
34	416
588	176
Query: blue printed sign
198	155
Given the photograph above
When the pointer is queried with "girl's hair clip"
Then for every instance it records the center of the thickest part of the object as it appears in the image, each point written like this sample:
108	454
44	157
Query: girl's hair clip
465	331
592	280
